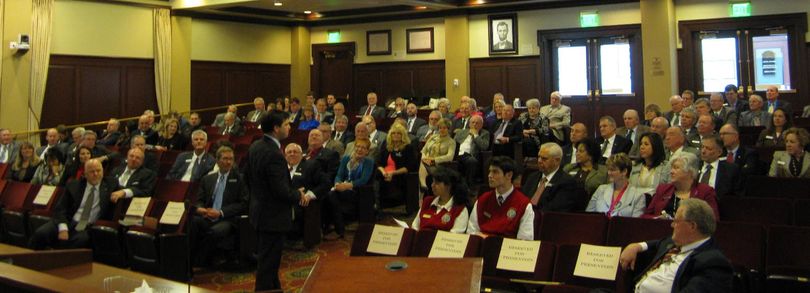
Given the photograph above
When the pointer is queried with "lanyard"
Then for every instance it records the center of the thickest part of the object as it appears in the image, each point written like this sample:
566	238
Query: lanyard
617	200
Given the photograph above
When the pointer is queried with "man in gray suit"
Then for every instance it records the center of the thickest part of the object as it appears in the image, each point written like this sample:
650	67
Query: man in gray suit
376	137
8	147
756	116
258	112
471	141
413	122
722	114
219	121
371	109
632	130
429	129
674	142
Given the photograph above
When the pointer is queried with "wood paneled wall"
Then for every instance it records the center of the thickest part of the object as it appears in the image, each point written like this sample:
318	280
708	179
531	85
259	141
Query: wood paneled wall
221	83
392	79
518	77
86	89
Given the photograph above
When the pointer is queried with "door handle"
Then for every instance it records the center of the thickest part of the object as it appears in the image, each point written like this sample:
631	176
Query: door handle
597	95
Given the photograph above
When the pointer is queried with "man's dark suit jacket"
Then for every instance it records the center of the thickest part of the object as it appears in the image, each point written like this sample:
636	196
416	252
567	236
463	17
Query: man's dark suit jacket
727	180
458	123
308	175
150	135
347	137
184	159
514	130
298	117
188	129
568	151
620	144
141	182
97	151
234	198
236	130
706	269
74	192
378	112
741	106
328	161
108	139
417	123
271	194
564	194
747	159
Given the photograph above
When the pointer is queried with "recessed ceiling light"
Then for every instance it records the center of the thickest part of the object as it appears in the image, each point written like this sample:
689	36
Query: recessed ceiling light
307	12
420	7
277	3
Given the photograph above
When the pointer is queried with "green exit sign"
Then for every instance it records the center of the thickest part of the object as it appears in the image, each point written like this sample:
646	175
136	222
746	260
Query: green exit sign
588	19
740	9
333	36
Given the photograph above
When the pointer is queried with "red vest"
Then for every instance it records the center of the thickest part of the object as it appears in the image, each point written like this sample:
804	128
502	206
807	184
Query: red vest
502	220
444	220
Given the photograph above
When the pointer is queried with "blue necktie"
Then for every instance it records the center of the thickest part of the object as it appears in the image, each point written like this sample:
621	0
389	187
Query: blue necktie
219	190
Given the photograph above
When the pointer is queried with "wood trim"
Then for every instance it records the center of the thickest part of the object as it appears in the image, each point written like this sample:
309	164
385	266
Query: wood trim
512	76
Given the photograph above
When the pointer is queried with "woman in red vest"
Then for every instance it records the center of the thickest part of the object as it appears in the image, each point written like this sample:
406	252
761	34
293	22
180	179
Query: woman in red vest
447	209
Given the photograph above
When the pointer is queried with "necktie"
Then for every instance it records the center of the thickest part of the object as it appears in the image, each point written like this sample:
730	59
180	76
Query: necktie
312	154
605	145
499	133
730	157
666	258
630	135
318	117
464	123
539	193
86	209
770	108
706	174
3	151
795	166
368	110
256	116
500	200
122	181
195	168
219	190
337	135
410	124
226	131
676	119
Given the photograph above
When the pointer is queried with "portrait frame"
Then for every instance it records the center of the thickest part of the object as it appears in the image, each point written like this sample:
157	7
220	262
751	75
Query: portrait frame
378	42
510	42
419	40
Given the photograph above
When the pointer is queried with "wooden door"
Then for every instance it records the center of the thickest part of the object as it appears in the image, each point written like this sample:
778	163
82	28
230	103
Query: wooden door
333	72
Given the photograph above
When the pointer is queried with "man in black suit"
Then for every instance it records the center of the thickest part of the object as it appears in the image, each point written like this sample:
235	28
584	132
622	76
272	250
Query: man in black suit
150	160
306	175
746	159
371	109
413	122
471	142
327	159
222	198
111	134
342	133
52	141
719	174
99	152
85	201
551	189
578	132
506	133
609	141
145	130
194	124
295	112
133	178
463	121
193	165
733	100
687	261
271	197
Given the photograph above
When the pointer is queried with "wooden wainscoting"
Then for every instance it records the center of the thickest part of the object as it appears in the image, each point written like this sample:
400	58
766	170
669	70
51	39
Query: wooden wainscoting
513	76
220	83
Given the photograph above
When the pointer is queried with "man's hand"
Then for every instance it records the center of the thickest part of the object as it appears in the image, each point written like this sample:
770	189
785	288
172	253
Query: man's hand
628	257
213	214
304	199
63	235
202	211
116	195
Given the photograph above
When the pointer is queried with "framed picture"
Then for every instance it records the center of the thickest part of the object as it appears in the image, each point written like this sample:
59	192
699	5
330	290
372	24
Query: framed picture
419	40
378	42
503	34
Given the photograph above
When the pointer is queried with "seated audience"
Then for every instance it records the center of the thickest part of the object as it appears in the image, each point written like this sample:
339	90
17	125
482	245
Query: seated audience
683	185
446	209
756	115
551	189
322	115
675	143
773	135
376	136
609	142
688	99
170	137
74	169
428	130
221	199
506	133
689	118
746	158
399	109
632	130
257	114
490	111
331	101
618	198
558	115
328	142
25	164
720	112
342	133
438	149
733	100
150	160
535	127
687	261
444	109
219	120
361	131
396	158
794	161
192	165
134	179
721	175
588	171
338	111
497	110
194	123
774	102
578	132
705	128
317	151
660	125
470	143
295	111
111	134
50	171
308	121
504	210
354	171
231	126
650	169
51	141
84	201
8	146
674	116
413	122
145	129
651	112
371	108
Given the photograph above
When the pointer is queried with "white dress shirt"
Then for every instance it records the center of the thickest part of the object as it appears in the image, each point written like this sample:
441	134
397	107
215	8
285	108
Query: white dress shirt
94	212
660	280
187	176
526	228
460	224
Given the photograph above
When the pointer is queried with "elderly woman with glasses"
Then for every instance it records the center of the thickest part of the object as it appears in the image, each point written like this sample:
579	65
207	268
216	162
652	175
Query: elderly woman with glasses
794	161
684	185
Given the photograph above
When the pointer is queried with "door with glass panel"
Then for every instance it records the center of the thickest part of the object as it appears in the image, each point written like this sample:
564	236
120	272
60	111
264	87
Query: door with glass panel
752	53
598	71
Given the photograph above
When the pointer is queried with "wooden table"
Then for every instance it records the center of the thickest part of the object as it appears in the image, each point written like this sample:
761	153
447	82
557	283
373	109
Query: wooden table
368	274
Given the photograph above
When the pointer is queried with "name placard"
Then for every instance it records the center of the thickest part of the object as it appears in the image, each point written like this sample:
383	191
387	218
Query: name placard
173	213
385	240
449	245
44	195
518	255
138	205
598	262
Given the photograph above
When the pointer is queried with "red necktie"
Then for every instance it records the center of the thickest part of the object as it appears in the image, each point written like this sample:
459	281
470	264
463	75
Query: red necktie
368	110
730	157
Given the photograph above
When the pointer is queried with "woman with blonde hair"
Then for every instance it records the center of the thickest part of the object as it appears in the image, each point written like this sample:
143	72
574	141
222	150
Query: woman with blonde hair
170	136
25	164
395	159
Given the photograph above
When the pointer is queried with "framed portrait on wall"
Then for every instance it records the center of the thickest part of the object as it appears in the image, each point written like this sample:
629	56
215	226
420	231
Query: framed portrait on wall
503	34
419	40
378	42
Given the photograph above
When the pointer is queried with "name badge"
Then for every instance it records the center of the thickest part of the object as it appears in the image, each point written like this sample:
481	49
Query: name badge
781	163
696	141
297	173
572	172
232	180
426	216
768	137
135	183
188	161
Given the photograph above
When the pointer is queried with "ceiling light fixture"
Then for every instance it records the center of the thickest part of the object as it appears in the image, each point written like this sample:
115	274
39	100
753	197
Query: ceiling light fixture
277	3
420	7
307	12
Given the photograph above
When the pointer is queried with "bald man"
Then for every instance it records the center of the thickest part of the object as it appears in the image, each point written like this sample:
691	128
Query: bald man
632	130
578	132
674	116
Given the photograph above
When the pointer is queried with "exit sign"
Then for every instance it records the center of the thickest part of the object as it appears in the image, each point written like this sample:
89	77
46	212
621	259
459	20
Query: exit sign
333	36
588	19
740	9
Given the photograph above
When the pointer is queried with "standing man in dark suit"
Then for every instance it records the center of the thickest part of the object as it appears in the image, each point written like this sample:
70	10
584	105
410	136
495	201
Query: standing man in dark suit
371	109
746	159
222	198
193	165
327	159
84	202
133	178
413	122
507	132
610	142
552	190
470	143
271	197
723	176
687	261
258	112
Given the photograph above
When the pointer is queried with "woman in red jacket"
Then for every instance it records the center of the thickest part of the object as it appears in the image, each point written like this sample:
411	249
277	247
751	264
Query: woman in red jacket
683	185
